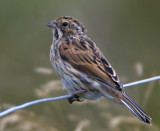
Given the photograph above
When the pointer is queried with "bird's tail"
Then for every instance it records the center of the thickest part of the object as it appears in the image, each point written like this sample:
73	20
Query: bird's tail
136	110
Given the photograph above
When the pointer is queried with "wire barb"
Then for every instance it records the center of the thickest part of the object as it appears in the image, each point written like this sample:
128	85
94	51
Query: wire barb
12	109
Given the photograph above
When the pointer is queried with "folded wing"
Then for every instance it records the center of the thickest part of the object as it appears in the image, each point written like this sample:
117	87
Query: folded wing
85	56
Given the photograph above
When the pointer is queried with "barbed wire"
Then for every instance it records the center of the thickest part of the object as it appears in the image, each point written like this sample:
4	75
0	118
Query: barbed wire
13	109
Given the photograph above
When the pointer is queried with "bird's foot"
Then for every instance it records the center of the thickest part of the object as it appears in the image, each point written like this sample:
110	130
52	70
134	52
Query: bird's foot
75	96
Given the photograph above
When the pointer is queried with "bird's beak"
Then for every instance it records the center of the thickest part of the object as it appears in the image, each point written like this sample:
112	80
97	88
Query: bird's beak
51	24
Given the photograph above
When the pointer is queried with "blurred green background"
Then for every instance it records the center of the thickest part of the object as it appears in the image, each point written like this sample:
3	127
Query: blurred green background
127	32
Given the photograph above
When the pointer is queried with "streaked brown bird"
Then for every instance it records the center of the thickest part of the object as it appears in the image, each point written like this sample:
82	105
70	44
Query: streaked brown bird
82	67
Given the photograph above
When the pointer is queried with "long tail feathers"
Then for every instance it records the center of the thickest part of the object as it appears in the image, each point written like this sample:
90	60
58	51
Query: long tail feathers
136	110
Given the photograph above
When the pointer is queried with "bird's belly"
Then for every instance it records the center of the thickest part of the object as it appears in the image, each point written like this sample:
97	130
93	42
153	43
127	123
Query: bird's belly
72	84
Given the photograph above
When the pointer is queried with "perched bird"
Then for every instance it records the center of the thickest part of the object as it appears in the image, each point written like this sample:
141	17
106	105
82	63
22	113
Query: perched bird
82	67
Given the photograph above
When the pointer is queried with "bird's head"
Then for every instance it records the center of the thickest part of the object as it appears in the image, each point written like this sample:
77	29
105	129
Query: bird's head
66	26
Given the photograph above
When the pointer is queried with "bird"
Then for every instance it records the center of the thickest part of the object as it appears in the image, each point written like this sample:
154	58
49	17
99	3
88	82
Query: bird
83	68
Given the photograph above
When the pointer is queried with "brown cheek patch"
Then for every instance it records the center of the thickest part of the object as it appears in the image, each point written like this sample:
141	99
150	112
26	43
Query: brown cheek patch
70	32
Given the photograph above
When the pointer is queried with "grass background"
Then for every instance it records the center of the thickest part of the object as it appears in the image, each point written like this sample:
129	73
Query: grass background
127	32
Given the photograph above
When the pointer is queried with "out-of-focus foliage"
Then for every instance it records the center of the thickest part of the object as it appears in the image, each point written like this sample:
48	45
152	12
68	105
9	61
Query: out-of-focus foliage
127	32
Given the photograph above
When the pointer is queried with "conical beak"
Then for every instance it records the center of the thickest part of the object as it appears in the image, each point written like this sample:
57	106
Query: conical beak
51	24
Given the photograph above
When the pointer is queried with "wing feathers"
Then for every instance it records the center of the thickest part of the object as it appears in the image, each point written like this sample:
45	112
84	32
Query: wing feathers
83	54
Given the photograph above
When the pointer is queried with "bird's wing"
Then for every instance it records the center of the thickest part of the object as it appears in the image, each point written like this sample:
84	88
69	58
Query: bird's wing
85	56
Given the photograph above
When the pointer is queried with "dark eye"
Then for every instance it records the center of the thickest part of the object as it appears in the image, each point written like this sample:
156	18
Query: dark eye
65	23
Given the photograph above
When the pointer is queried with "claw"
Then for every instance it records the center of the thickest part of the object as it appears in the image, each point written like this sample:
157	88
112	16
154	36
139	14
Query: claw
75	96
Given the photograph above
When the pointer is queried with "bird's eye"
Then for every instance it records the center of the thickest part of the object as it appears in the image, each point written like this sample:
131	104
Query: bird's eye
65	23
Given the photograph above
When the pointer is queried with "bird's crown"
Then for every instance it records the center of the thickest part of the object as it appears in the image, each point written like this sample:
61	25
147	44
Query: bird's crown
68	26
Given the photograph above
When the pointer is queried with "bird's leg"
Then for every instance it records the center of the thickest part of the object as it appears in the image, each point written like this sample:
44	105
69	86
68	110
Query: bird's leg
75	96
